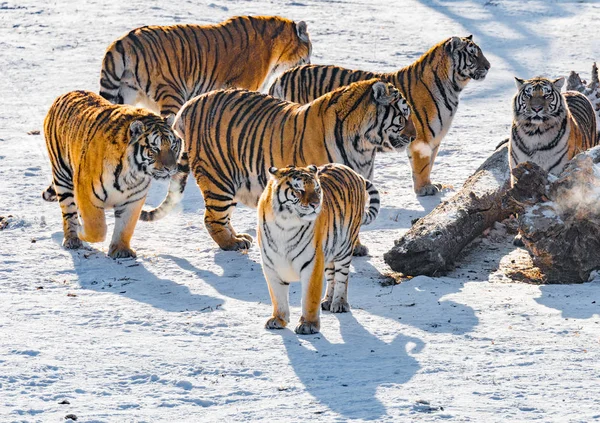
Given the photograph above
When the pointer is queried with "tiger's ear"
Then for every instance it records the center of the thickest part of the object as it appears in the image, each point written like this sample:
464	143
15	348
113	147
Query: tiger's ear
559	82
170	119
381	95
452	44
136	128
273	170
519	82
302	31
470	37
312	168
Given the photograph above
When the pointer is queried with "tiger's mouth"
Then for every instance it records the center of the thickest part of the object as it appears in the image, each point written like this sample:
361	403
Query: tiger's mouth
400	142
480	74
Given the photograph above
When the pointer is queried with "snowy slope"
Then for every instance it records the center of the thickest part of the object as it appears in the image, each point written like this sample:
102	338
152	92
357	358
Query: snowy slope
177	334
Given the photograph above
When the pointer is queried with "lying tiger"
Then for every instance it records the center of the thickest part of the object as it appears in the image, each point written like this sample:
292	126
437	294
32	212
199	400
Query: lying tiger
162	67
431	86
234	136
104	156
308	223
549	127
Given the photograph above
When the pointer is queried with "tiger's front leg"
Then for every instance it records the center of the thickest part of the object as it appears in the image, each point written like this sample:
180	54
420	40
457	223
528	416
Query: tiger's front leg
126	218
279	292
93	221
312	286
421	155
217	219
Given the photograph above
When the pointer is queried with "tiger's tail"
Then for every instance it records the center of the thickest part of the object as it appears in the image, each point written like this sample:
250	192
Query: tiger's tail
113	68
373	210
50	194
175	194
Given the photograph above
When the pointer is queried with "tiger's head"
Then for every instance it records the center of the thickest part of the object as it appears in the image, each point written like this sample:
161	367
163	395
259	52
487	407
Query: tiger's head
154	146
296	47
392	129
538	100
467	58
296	192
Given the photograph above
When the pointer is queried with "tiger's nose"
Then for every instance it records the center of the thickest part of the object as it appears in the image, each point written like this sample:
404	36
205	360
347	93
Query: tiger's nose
314	205
537	108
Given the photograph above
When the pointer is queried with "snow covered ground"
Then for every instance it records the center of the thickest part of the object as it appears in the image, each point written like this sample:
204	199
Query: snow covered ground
177	334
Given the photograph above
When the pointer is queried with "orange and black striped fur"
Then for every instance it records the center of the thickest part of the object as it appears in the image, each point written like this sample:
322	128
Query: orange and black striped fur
104	156
233	137
549	127
308	223
162	67
431	86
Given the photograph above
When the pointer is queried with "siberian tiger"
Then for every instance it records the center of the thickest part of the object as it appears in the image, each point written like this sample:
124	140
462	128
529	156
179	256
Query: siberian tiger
431	86
233	137
104	156
162	67
308	223
549	128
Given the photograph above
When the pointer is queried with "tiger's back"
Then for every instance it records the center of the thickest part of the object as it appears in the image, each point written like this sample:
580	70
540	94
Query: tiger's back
164	66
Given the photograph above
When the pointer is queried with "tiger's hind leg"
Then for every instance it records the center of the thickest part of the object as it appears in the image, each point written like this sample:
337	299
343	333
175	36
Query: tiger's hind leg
279	292
126	218
329	276
339	303
68	207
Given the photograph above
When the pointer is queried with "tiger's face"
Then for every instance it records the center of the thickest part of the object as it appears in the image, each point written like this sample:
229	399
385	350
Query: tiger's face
538	100
469	61
297	192
156	148
393	130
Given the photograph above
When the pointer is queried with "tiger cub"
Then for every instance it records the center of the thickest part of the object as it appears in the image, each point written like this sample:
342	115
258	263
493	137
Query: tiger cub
431	86
308	223
549	128
162	67
104	156
233	137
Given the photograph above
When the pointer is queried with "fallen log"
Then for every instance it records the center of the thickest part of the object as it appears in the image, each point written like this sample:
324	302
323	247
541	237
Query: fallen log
559	218
433	242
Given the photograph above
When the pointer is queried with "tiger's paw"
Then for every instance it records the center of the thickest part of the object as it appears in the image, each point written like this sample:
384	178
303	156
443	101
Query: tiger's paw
429	189
275	323
118	251
360	250
239	242
340	306
72	243
307	328
325	304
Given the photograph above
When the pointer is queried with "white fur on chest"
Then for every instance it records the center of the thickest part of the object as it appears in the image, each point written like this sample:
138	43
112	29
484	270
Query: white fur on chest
290	245
540	156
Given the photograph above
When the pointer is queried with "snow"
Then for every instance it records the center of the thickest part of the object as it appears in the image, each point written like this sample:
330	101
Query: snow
177	334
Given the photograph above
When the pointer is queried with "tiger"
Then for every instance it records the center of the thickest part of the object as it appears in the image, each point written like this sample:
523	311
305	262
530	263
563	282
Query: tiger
104	156
308	223
162	67
431	86
549	127
233	137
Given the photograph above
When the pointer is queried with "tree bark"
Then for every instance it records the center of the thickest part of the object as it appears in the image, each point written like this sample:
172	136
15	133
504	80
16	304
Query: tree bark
432	244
